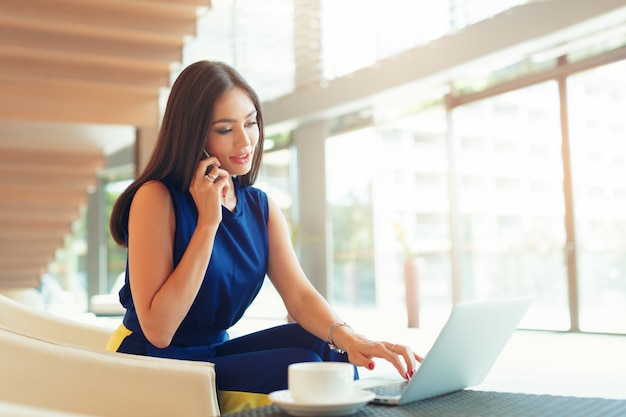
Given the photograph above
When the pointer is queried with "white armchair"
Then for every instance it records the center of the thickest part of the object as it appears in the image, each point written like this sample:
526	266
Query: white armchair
61	365
71	379
44	325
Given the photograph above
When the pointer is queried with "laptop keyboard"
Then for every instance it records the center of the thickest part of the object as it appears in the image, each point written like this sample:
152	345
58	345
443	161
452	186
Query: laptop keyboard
389	390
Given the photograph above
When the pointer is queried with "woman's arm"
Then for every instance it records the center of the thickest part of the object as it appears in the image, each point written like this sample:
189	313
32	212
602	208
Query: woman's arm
311	310
163	294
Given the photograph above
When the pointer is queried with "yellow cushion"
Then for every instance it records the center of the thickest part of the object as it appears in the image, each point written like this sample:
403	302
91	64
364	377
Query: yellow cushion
234	401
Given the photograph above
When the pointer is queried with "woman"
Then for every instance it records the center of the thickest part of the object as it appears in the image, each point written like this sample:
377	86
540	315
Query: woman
201	240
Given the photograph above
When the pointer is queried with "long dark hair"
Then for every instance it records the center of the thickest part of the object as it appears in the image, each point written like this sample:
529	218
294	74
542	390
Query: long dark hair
182	136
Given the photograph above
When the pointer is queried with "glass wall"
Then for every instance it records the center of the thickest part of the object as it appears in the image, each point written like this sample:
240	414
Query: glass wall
352	164
478	196
511	204
388	208
597	106
64	283
412	214
115	260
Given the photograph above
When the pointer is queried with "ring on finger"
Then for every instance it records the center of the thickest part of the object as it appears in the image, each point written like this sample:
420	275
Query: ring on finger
210	177
393	348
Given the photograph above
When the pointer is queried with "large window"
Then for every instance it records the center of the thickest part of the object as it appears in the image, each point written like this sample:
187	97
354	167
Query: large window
511	204
351	167
597	105
412	215
115	255
479	195
388	208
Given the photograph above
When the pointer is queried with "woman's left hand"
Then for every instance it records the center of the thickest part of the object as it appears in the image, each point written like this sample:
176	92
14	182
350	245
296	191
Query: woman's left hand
361	352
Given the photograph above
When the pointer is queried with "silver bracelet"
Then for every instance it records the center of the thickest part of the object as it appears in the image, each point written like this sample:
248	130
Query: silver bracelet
331	345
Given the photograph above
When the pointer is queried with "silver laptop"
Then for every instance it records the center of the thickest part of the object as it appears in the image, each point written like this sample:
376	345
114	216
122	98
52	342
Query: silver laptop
464	352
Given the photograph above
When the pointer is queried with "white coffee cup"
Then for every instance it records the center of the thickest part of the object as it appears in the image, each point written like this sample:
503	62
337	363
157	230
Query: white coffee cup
321	382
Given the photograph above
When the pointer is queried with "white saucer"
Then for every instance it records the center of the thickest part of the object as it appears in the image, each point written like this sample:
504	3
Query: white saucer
350	406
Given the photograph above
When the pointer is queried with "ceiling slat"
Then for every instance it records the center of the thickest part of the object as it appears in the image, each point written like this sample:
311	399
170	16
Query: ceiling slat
19	280
38	63
33	229
39	180
165	18
26	197
47	182
23	263
77	102
59	159
79	38
41	245
67	216
178	3
34	171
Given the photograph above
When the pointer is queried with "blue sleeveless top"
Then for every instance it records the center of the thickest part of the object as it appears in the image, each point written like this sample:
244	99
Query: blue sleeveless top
233	278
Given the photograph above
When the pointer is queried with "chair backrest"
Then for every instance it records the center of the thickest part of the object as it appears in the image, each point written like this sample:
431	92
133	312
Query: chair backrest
42	324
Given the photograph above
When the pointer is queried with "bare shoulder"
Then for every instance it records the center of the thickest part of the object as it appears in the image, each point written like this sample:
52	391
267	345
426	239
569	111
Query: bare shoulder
278	227
274	210
153	193
272	203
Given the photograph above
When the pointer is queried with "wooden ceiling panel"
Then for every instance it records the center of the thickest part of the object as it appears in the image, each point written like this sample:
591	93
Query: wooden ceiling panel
20	278
91	40
24	263
62	101
163	17
54	65
189	3
44	212
32	171
60	159
34	194
66	65
42	245
35	230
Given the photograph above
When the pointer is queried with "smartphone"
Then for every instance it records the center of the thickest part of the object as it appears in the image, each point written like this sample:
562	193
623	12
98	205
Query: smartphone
210	167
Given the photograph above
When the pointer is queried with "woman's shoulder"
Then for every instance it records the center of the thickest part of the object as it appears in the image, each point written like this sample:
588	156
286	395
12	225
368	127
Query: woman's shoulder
152	190
153	186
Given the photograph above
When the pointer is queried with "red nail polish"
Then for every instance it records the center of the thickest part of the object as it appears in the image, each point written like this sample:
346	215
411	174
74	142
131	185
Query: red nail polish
370	366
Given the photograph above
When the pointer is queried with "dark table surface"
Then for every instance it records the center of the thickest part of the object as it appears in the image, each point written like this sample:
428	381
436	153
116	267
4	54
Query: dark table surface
470	403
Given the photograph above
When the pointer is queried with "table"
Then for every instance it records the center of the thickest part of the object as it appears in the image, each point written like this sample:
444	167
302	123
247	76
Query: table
470	403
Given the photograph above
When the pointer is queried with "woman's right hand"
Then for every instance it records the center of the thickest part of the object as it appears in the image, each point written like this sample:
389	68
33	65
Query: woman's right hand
210	185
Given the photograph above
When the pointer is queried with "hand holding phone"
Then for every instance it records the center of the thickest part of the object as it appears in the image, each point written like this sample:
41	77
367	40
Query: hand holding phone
215	178
210	167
